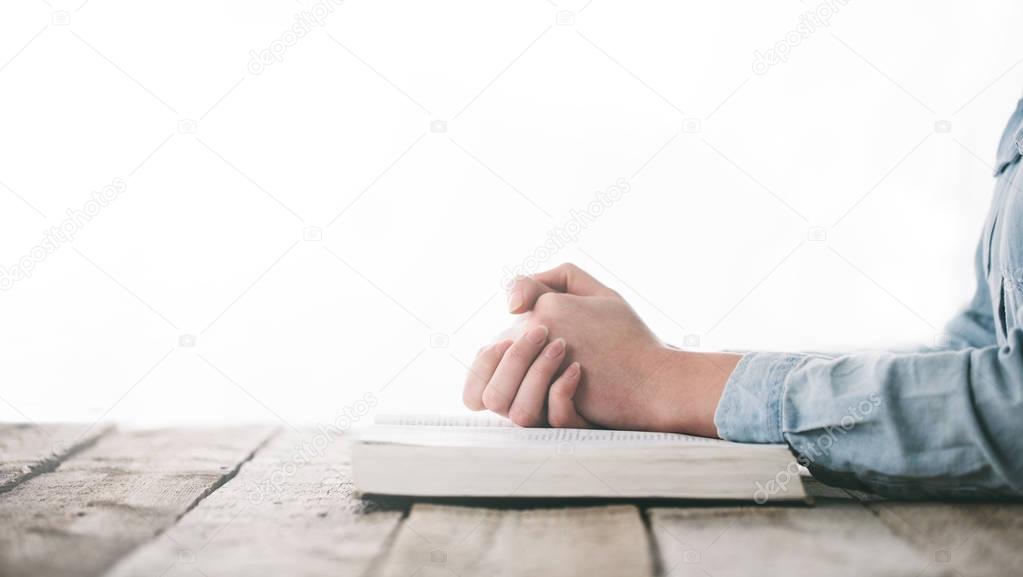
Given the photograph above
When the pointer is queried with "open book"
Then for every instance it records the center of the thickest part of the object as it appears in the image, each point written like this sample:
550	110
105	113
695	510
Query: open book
487	456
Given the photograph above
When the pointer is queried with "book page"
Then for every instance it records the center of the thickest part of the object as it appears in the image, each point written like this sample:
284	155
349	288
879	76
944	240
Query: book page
514	436
442	420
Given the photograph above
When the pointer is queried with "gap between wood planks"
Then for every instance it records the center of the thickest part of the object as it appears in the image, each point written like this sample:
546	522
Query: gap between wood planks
49	463
651	539
47	458
939	533
221	481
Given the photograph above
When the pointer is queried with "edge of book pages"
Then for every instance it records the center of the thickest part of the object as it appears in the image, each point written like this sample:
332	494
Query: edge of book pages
453	456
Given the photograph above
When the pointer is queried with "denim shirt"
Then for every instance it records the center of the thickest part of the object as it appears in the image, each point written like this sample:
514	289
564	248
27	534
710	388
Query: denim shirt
942	422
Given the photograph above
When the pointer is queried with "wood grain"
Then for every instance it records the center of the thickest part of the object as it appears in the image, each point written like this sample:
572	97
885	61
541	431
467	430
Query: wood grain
833	538
109	498
289	511
972	539
470	541
222	502
27	450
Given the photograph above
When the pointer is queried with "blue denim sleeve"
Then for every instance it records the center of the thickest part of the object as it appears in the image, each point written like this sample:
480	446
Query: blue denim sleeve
910	425
750	407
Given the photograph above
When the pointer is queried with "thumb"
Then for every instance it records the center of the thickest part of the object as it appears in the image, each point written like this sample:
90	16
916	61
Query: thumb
561	412
523	294
568	278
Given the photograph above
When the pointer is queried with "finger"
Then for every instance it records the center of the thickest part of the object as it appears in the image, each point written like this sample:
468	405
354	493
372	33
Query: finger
568	278
523	294
483	367
561	410
501	389
527	408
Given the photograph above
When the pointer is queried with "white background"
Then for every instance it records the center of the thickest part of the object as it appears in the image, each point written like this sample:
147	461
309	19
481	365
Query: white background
228	171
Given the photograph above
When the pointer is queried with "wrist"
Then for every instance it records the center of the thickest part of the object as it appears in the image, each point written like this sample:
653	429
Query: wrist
688	388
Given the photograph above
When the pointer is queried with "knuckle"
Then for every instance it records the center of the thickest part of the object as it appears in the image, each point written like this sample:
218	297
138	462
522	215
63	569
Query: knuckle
493	400
545	301
548	304
556	419
522	417
543	369
490	356
570	267
520	352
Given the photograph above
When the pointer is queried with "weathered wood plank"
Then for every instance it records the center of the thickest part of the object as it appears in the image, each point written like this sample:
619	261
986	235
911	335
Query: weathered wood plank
833	538
109	498
472	541
27	450
289	511
974	539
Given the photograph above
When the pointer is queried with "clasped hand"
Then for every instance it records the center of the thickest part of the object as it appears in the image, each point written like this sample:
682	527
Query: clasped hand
585	359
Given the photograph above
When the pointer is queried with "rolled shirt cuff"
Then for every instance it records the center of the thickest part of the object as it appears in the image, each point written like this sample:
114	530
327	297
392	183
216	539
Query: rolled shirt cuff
750	409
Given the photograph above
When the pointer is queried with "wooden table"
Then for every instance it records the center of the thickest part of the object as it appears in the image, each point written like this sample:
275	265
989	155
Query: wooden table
77	500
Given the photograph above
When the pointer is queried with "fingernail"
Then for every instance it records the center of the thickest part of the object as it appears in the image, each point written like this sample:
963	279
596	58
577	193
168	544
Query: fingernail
514	300
536	335
555	349
572	369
